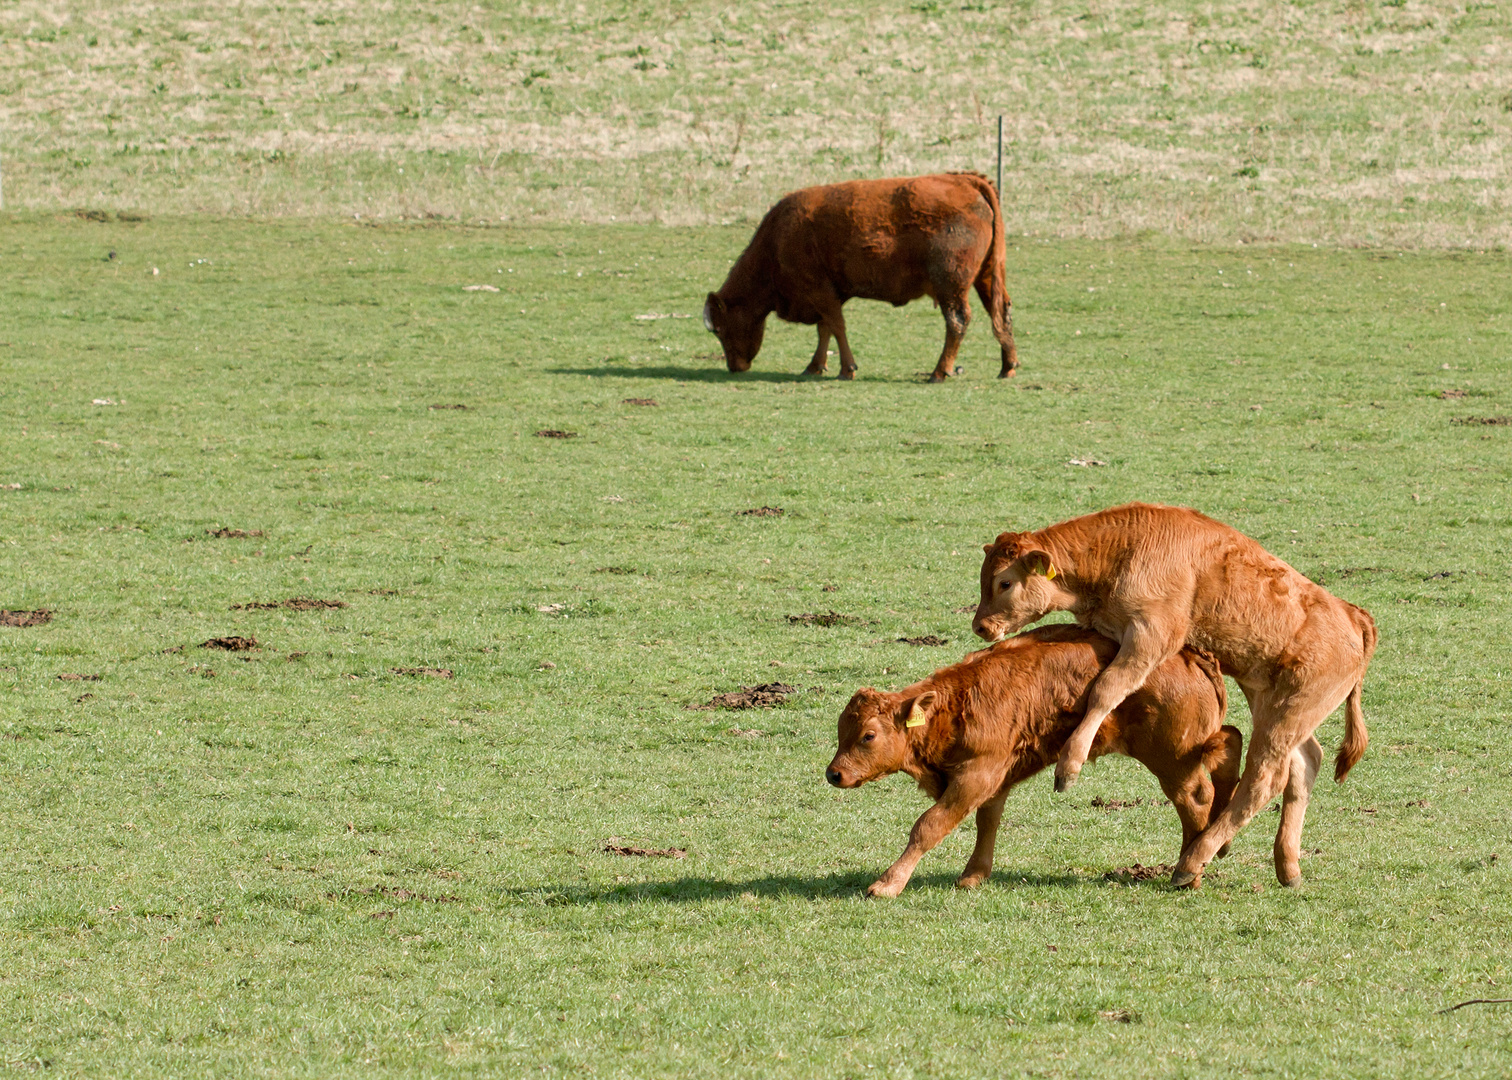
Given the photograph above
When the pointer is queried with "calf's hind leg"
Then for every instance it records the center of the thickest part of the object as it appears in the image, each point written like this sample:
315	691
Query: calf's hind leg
1305	760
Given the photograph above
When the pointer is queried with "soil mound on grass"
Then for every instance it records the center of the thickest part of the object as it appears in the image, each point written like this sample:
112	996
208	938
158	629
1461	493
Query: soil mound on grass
615	848
69	676
1490	421
764	696
762	511
296	603
234	534
927	639
820	618
1100	803
1129	874
553	433
230	644
639	401
430	672
442	408
26	618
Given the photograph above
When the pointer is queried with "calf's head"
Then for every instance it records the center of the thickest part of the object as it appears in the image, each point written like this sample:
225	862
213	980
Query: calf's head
1020	584
873	735
739	329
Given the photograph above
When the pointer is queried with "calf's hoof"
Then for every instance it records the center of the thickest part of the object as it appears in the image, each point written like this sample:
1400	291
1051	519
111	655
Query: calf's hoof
971	881
847	375
1289	879
1185	879
1007	373
812	370
883	888
1064	778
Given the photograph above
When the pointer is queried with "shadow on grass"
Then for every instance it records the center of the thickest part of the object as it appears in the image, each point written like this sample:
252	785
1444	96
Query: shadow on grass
844	886
717	375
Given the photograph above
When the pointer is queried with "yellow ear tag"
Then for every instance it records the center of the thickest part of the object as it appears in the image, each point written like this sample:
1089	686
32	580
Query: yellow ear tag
916	717
1050	573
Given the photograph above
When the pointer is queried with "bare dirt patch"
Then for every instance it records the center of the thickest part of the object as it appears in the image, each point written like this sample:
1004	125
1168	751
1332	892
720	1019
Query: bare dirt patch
234	534
70	676
26	618
821	618
1452	395
615	570
383	592
762	511
1488	421
765	696
401	895
1100	803
443	408
1135	872
639	401
553	433
613	846
927	639
296	603
231	644
428	672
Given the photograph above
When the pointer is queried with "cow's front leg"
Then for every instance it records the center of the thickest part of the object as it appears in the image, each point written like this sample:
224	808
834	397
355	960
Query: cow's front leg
820	362
965	792
832	320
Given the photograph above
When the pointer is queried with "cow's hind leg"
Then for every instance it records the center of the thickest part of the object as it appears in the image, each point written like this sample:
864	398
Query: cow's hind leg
979	867
820	362
1000	309
957	318
1305	760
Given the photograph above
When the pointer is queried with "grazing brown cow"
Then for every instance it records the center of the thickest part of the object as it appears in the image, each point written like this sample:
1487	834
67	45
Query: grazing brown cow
971	731
892	240
1155	578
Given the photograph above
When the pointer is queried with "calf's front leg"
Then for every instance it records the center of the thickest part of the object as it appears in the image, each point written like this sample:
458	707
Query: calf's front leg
1143	649
979	866
966	791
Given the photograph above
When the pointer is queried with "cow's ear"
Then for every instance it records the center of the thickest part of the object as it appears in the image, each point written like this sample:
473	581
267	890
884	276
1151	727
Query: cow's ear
920	709
1036	562
713	313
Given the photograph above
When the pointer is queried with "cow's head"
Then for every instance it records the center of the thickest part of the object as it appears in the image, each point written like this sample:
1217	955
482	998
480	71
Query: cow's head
739	329
1020	585
873	735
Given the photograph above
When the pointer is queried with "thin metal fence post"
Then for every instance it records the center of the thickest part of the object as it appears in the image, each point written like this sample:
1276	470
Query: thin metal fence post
1000	158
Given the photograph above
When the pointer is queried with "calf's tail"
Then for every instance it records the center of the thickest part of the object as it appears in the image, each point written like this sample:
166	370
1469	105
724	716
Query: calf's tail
1356	738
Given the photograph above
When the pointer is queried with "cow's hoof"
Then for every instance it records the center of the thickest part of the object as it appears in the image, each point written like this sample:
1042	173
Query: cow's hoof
935	377
883	888
1063	781
811	370
847	375
1184	879
1291	882
1010	373
970	881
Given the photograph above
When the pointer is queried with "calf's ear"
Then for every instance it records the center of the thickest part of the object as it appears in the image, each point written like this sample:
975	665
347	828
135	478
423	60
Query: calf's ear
713	313
1037	562
920	709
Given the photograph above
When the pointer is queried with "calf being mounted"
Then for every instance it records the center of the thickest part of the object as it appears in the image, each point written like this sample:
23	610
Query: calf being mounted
973	730
892	240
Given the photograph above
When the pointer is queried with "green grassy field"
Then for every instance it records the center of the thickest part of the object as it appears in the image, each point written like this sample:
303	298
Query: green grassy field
1356	122
308	864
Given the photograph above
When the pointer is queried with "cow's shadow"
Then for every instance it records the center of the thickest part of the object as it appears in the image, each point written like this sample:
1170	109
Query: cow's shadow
842	886
719	375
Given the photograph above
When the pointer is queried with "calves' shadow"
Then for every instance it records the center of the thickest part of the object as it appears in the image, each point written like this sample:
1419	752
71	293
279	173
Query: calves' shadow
841	886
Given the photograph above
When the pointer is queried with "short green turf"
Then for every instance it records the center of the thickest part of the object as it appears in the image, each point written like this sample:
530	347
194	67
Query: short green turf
308	864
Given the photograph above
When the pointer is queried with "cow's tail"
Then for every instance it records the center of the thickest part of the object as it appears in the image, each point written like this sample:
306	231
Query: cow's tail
991	279
1356	738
